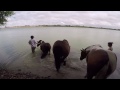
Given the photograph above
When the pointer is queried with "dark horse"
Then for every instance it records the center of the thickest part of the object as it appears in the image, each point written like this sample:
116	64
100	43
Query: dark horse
100	63
61	50
45	47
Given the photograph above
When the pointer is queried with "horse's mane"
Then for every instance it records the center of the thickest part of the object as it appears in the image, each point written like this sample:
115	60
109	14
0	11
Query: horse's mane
92	47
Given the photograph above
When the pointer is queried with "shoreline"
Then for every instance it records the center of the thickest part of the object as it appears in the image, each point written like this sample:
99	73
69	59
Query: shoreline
61	26
10	74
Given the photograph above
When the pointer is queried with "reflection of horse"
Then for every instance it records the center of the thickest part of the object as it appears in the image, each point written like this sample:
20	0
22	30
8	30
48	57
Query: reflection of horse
61	50
100	63
45	47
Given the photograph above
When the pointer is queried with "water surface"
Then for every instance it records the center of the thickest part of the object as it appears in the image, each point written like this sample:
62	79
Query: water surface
15	52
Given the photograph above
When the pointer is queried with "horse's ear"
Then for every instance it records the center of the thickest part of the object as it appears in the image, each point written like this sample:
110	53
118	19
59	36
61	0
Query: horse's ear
40	41
81	50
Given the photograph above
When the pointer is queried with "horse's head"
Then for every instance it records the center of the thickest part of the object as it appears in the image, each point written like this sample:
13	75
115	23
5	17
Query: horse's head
83	54
42	42
39	43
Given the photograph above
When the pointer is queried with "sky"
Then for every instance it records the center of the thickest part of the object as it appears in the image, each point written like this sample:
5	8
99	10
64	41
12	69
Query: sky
107	19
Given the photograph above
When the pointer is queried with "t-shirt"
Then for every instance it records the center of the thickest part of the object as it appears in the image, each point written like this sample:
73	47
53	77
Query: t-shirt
32	43
110	48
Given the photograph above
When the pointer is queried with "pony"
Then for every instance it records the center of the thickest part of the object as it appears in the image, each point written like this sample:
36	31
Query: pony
45	47
61	50
101	63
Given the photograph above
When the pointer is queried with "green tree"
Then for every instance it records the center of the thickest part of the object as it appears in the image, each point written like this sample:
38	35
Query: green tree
4	15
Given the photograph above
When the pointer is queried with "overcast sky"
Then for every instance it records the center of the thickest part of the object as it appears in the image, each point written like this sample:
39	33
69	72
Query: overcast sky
110	19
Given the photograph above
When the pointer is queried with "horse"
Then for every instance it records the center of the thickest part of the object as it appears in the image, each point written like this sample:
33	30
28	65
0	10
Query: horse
101	63
61	50
45	47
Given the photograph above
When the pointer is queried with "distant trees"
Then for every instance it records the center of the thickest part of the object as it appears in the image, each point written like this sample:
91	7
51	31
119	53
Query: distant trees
4	15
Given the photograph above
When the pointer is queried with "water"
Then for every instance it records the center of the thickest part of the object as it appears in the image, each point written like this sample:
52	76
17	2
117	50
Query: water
15	52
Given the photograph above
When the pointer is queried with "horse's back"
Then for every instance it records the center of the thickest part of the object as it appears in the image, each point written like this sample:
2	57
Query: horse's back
47	45
97	55
61	46
57	46
94	47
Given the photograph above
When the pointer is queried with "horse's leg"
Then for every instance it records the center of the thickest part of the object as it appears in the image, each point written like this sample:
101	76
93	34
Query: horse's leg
49	52
64	62
90	73
33	49
85	76
89	76
57	63
43	55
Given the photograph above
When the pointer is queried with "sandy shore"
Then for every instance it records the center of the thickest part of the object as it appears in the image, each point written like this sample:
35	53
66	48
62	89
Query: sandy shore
8	74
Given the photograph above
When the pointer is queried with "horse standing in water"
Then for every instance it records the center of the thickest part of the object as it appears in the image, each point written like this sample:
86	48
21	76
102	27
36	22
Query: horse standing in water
100	63
61	50
45	47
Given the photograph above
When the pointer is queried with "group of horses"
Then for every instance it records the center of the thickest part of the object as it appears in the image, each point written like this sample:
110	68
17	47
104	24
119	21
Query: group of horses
100	62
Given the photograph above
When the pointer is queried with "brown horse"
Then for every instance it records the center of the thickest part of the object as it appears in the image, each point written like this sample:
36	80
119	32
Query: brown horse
61	50
100	63
45	47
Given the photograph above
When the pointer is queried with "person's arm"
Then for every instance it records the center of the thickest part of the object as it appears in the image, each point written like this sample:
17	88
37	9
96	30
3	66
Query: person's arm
29	42
35	42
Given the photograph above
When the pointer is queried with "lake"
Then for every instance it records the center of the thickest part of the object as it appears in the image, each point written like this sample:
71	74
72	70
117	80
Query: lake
15	52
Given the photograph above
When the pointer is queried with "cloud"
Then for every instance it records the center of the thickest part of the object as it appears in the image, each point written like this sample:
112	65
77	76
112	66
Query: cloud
108	19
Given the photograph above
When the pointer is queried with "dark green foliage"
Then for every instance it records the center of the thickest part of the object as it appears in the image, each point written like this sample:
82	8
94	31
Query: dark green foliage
4	15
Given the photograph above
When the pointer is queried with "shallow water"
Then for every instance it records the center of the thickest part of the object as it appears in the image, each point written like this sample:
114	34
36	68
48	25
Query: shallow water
15	52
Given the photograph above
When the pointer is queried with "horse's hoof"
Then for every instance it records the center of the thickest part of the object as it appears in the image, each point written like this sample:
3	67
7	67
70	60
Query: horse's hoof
42	57
57	70
64	63
85	76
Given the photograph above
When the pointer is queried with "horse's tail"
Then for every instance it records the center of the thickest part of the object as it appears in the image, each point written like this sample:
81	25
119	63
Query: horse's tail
57	55
108	68
102	73
57	62
115	56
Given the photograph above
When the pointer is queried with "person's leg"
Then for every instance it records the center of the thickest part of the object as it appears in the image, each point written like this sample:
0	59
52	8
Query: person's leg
33	49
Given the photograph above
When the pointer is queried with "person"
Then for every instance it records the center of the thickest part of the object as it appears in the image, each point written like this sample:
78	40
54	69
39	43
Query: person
110	46
33	43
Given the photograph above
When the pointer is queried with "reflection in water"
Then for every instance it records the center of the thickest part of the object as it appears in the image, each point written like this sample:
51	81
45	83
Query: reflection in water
15	52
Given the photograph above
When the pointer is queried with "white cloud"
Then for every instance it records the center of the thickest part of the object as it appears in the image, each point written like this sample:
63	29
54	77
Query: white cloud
108	19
